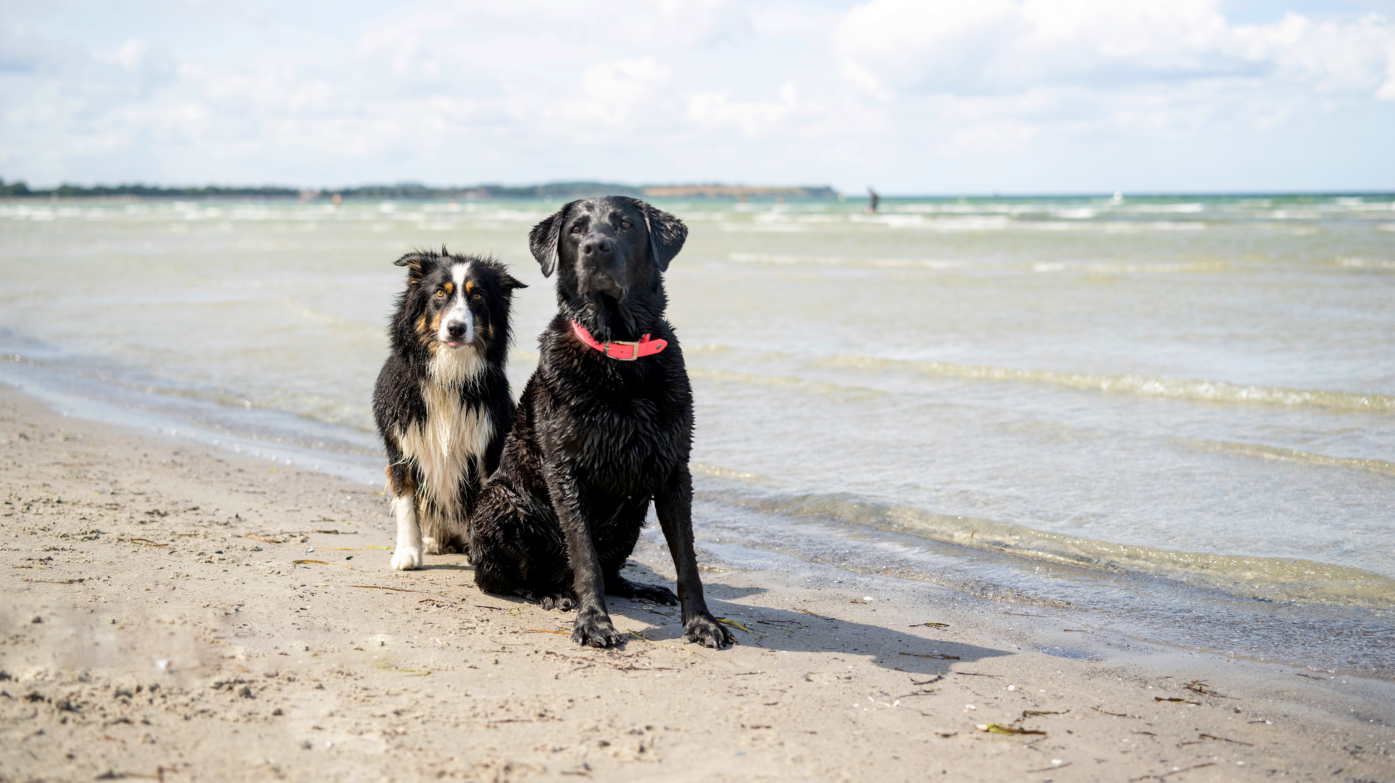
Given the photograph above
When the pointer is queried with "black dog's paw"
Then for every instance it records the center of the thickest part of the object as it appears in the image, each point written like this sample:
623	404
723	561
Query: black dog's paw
624	588
655	594
706	631
594	629
563	602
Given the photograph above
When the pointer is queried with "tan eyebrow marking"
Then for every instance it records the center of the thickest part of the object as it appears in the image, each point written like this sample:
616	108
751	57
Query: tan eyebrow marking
470	286
449	287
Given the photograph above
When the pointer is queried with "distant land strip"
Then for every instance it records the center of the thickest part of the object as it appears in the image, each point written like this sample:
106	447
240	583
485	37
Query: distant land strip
556	190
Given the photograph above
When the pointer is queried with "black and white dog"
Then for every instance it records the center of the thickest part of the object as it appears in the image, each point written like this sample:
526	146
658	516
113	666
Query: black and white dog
605	425
442	401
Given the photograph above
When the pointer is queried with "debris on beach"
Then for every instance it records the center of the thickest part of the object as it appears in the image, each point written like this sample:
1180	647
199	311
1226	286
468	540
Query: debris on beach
735	624
145	541
998	728
1197	686
1113	714
321	562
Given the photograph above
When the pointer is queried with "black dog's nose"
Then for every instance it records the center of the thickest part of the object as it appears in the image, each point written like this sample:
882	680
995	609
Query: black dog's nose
455	330
596	245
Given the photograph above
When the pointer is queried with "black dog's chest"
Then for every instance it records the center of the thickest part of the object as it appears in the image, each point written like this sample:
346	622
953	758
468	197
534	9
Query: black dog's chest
625	446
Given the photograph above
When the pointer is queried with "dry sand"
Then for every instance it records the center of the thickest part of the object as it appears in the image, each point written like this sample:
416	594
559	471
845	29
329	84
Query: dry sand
156	624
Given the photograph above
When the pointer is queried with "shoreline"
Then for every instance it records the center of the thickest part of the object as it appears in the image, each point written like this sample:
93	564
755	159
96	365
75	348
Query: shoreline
176	638
740	519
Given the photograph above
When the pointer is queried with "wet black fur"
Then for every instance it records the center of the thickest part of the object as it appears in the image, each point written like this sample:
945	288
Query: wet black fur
397	397
596	439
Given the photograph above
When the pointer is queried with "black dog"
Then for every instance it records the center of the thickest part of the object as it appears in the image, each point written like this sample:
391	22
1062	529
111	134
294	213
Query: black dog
442	400
604	426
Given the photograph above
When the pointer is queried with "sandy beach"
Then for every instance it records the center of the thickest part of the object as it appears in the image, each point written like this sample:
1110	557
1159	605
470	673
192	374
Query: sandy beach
173	612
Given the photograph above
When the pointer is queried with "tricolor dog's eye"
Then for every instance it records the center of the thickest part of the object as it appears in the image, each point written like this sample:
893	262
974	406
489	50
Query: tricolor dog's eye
441	293
476	297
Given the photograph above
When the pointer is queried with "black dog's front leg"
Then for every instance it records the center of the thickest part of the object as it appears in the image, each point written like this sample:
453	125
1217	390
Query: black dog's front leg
593	627
674	504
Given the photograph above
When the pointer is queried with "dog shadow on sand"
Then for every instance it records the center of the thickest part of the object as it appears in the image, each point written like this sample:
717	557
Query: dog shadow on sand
930	652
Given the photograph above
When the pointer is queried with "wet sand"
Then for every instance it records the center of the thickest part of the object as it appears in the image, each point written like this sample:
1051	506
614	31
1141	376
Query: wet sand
156	624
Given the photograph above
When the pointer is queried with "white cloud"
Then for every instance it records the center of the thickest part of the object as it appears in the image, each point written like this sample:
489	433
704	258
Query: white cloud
615	96
131	53
468	90
753	118
943	46
1004	75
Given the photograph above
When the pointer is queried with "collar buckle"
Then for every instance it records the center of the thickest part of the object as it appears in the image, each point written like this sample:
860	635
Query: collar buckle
634	350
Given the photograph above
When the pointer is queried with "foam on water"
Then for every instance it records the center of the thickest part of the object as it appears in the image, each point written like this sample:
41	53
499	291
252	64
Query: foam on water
1381	466
1268	579
1170	388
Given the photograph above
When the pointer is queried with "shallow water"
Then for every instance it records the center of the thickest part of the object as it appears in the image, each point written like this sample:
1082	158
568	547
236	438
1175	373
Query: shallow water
1179	412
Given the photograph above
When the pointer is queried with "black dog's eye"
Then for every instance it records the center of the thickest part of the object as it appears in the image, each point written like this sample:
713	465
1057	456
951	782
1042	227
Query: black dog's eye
576	229
625	224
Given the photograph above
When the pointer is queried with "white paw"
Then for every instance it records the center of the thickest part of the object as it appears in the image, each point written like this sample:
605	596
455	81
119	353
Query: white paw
406	559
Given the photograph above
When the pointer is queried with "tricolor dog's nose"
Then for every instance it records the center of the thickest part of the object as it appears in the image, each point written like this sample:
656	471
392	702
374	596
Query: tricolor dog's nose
456	330
595	245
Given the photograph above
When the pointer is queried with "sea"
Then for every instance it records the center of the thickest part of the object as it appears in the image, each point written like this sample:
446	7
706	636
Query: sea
1171	417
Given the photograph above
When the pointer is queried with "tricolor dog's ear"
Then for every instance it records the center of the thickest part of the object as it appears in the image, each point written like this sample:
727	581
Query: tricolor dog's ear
509	283
545	240
666	234
417	264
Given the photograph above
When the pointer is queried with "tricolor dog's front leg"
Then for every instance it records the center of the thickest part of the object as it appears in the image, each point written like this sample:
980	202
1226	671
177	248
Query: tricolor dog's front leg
402	485
407	557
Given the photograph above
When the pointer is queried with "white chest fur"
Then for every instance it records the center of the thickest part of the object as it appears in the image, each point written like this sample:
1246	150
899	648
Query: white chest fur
450	441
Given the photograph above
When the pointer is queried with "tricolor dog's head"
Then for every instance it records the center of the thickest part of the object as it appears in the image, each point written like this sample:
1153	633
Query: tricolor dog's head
454	302
609	254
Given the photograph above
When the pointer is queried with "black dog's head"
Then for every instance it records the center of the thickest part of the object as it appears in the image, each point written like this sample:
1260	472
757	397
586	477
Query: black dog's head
454	303
609	254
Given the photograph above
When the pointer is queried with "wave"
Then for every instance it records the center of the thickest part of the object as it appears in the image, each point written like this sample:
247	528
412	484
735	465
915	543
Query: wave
912	263
1190	208
1273	579
1141	385
1153	269
715	471
1365	263
786	260
1292	455
801	384
1083	220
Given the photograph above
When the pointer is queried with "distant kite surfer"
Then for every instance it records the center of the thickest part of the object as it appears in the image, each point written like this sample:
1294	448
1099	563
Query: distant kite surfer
872	200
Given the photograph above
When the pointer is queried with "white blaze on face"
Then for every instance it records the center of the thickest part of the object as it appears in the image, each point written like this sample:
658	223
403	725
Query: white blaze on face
459	312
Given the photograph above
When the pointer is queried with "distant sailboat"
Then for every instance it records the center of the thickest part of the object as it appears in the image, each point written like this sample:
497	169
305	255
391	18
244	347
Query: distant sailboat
872	200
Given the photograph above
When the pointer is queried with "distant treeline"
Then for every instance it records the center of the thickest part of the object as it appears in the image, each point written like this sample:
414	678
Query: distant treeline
410	190
21	190
557	190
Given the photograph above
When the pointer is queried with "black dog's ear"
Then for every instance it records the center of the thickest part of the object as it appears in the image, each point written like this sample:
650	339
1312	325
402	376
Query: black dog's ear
546	238
666	234
418	262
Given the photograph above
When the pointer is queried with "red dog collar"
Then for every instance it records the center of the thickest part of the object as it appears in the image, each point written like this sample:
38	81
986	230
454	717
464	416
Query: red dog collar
624	350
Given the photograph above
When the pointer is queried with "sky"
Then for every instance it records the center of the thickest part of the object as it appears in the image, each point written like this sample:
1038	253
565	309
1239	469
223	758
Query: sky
911	96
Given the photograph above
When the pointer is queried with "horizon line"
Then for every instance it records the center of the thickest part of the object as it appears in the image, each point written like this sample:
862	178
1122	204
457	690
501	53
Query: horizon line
291	191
